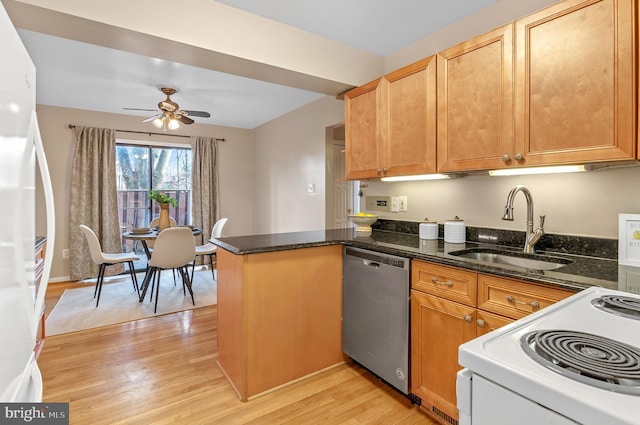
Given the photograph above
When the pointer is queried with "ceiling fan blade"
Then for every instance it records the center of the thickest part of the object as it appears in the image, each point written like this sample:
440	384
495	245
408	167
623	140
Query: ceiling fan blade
139	109
152	118
202	114
184	119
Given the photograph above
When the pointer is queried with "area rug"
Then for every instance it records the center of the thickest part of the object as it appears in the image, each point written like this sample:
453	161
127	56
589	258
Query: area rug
76	310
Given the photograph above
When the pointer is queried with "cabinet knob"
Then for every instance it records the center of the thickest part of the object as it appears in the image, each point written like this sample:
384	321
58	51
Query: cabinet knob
384	170
379	170
468	318
518	157
505	158
480	323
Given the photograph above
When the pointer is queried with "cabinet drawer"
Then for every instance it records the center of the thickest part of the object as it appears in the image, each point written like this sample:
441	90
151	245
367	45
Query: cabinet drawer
446	282
513	298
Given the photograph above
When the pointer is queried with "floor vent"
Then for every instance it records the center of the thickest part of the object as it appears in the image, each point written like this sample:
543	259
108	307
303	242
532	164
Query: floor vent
439	413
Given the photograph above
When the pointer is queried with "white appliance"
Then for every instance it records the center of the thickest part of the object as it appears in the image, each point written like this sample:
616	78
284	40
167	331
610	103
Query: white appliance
20	144
575	362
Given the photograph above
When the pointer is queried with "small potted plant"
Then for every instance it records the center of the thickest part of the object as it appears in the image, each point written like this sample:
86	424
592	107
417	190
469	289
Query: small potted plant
164	202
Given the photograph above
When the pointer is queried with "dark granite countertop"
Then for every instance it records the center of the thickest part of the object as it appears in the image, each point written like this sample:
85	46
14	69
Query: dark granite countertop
583	271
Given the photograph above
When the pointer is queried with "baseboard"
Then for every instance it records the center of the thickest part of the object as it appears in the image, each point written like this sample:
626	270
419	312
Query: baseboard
60	279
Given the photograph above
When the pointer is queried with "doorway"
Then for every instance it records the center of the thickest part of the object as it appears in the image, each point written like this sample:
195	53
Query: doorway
340	200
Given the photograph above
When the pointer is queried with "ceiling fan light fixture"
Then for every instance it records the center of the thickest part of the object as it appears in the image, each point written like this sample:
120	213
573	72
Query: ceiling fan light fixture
158	122
173	124
171	116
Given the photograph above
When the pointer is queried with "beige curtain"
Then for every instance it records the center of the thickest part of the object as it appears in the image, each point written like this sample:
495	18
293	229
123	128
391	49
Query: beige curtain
94	200
205	191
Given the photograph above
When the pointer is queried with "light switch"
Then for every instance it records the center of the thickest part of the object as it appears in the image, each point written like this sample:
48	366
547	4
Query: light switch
395	204
403	203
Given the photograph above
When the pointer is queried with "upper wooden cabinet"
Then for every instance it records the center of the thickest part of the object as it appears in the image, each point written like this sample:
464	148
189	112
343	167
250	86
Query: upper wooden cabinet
565	74
363	138
391	124
575	83
475	102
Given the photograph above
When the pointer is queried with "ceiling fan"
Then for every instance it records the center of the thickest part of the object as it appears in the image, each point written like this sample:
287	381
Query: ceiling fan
170	115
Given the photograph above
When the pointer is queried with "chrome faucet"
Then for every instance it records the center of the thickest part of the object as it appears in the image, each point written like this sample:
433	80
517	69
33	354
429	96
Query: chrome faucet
532	236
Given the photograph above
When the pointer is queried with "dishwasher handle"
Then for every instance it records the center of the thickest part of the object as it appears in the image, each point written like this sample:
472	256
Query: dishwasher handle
371	257
371	263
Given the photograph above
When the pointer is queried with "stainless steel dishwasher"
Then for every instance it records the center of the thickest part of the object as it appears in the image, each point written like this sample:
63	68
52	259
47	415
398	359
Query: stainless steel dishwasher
375	313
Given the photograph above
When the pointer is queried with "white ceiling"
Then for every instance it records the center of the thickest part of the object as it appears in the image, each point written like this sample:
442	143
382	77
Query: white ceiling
86	76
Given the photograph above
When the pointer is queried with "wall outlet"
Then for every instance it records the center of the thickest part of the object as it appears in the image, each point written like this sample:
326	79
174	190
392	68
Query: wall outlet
395	204
378	203
403	203
311	188
65	254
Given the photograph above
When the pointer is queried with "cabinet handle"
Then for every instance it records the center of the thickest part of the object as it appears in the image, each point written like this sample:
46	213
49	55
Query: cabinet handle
518	157
468	318
379	170
480	323
384	170
439	282
533	304
505	158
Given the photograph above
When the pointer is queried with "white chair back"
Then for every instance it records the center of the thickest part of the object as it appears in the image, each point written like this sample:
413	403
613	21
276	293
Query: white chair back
173	248
95	249
216	231
156	221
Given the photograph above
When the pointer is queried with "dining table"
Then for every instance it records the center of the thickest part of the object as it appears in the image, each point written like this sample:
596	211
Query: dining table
150	235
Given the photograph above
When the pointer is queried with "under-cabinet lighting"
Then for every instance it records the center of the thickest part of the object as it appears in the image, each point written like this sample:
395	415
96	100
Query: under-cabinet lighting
418	177
538	170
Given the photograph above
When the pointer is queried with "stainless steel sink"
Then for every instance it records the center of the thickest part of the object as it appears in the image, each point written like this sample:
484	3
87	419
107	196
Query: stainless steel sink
499	257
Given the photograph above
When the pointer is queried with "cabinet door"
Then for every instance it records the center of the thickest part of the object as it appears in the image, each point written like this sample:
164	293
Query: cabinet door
575	95
487	322
438	327
411	147
363	115
475	103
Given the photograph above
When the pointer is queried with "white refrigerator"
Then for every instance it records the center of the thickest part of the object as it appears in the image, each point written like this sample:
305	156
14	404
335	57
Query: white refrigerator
21	303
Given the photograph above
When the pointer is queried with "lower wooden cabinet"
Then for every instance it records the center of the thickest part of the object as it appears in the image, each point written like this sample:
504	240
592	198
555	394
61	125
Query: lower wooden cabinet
450	306
438	327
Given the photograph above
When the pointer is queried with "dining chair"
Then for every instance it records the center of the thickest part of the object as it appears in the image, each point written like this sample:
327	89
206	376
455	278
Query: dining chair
151	243
154	223
106	259
209	249
175	250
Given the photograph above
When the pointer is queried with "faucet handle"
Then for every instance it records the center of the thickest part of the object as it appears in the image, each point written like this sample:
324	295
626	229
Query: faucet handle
542	221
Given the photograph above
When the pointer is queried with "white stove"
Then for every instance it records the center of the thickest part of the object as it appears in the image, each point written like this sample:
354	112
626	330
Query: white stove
575	362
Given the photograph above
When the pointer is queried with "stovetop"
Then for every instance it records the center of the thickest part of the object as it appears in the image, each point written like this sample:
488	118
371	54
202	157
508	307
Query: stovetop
567	356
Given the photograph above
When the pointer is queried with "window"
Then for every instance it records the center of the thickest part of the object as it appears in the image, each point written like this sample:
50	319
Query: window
141	168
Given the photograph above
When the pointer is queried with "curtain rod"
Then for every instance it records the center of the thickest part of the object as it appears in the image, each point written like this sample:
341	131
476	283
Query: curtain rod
154	134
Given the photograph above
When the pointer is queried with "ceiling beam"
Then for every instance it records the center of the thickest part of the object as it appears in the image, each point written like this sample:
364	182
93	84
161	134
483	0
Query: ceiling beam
233	41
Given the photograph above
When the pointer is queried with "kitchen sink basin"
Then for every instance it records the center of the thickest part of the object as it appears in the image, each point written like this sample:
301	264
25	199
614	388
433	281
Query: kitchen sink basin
499	257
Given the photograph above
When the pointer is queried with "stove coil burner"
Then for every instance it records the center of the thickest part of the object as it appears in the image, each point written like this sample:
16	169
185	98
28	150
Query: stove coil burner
619	304
590	359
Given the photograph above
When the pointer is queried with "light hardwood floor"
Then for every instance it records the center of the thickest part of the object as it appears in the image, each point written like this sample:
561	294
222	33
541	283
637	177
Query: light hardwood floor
162	370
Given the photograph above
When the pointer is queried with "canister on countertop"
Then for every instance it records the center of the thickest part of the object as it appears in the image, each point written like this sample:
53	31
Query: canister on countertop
428	229
455	231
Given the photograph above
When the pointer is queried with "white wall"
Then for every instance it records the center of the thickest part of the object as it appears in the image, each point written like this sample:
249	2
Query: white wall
289	154
585	204
235	163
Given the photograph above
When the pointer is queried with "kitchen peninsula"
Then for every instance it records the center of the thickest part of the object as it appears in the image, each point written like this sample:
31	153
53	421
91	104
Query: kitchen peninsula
280	295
